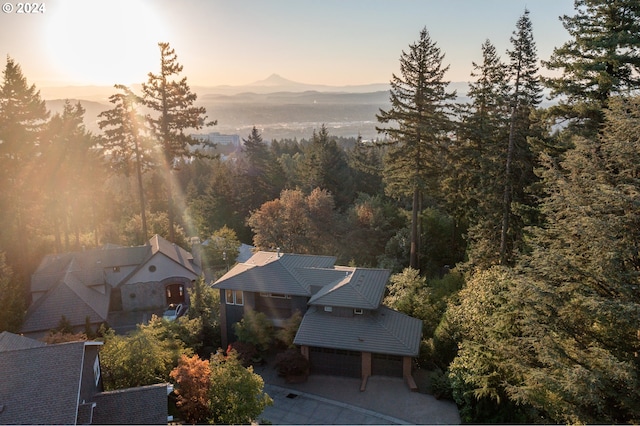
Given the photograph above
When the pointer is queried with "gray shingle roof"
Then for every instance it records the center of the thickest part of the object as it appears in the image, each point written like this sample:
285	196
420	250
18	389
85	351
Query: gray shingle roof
383	331
141	406
13	342
70	298
75	283
40	385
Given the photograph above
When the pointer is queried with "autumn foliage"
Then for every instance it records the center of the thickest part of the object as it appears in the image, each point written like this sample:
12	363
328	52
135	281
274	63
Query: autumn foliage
192	376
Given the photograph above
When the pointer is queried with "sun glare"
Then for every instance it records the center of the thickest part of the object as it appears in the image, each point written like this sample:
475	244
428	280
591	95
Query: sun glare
104	43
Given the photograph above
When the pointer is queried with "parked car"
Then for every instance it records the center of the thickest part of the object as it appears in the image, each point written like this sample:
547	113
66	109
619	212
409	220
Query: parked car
174	311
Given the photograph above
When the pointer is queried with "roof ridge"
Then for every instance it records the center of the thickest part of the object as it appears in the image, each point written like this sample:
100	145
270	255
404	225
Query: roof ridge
357	290
382	324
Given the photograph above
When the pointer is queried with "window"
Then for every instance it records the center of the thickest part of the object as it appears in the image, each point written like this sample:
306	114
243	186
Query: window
116	269
234	297
152	268
328	309
357	311
276	295
96	370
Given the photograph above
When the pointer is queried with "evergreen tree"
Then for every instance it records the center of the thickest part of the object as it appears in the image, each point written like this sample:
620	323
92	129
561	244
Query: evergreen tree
173	103
417	125
22	116
262	174
526	95
366	163
601	60
11	299
559	335
476	166
124	142
68	158
325	166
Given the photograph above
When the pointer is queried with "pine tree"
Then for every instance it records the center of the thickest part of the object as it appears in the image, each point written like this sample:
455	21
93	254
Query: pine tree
419	137
173	103
601	60
124	142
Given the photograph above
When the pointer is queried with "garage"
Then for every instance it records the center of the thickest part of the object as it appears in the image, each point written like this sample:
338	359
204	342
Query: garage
386	365
335	362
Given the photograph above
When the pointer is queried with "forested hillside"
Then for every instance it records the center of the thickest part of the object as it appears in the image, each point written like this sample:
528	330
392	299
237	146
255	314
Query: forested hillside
512	229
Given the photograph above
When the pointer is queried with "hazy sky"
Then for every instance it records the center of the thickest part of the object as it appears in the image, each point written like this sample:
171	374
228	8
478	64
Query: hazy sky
335	42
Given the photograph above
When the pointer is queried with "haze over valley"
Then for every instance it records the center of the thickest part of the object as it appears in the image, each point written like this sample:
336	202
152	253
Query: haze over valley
278	107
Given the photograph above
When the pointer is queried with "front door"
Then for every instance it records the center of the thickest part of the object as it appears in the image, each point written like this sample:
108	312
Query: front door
175	293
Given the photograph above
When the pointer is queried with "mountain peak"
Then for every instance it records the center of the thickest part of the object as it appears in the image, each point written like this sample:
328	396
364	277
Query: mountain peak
274	80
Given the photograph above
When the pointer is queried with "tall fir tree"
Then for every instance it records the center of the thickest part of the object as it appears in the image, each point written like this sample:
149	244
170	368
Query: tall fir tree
68	158
601	60
325	166
125	143
22	116
417	125
519	162
173	112
476	158
263	176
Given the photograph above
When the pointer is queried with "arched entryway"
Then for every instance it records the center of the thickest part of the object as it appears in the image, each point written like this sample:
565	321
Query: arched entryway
175	293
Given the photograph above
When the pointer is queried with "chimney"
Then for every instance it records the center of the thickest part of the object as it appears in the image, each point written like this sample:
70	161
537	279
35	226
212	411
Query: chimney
278	252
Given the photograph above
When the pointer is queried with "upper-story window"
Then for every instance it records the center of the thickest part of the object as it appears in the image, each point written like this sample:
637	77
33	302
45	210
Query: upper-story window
96	370
276	295
234	297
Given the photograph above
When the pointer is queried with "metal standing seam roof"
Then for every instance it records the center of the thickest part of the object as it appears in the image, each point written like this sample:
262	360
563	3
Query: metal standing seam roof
383	331
358	288
268	272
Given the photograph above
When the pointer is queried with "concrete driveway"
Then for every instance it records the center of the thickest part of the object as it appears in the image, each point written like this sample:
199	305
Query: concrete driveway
338	400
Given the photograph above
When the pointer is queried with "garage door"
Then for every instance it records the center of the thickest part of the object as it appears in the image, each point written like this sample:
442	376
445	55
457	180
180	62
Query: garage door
335	362
386	365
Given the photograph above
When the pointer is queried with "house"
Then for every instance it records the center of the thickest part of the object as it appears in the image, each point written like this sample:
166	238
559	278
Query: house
344	330
62	384
86	287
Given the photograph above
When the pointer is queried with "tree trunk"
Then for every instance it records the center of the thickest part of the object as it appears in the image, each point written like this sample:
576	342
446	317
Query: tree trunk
413	254
143	210
507	195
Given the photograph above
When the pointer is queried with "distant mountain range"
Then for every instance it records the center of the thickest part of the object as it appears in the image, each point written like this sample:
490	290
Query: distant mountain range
278	107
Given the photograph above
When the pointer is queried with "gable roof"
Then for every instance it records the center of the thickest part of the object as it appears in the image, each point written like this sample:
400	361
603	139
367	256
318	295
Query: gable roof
144	405
75	284
73	299
13	342
173	252
41	385
357	288
383	331
269	272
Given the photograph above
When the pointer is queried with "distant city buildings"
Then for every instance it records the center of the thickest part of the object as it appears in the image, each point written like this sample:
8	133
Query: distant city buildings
220	139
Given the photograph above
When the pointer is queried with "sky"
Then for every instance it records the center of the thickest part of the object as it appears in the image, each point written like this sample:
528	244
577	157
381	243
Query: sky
236	42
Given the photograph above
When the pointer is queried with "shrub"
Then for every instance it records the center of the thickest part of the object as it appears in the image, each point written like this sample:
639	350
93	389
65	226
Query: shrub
286	334
255	328
292	363
247	352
